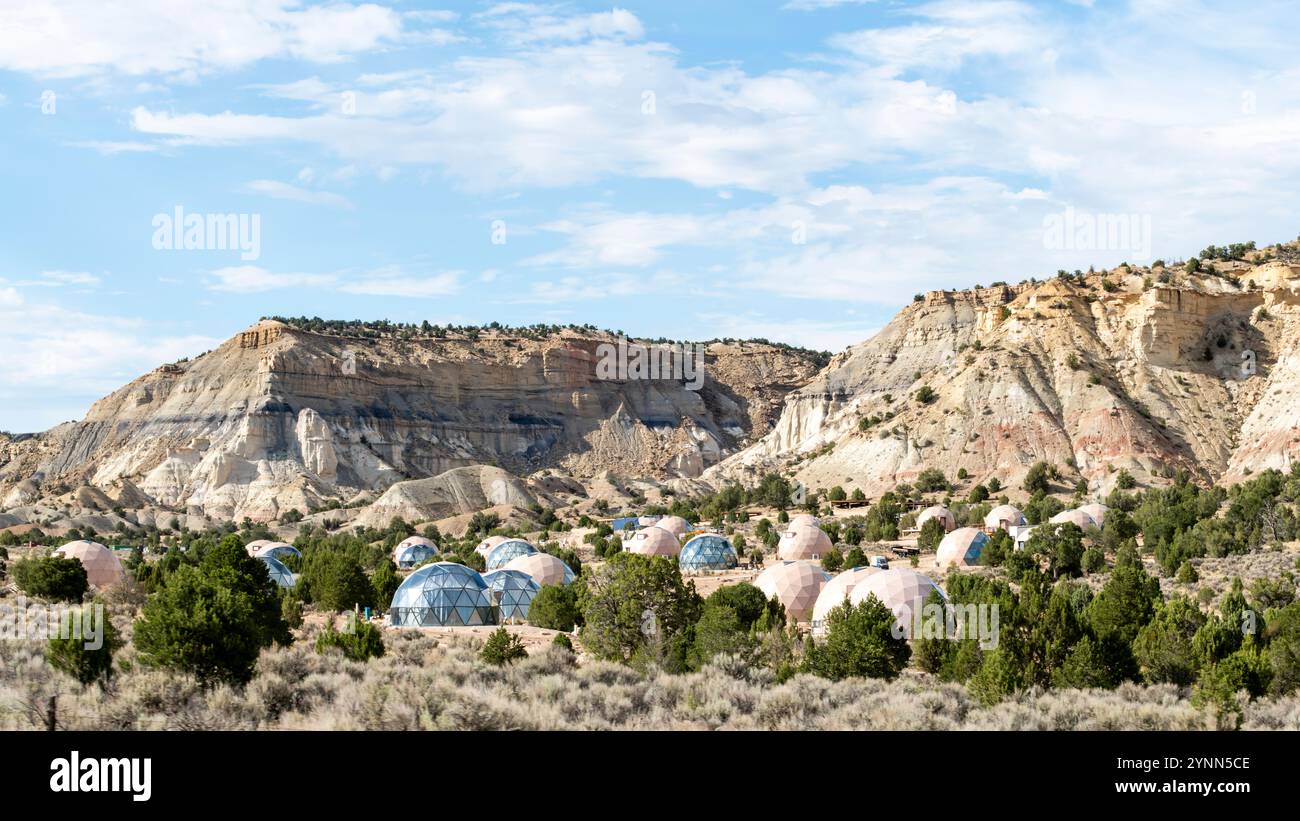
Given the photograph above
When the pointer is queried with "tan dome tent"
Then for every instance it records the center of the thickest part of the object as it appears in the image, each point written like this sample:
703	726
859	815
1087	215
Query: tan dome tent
804	519
1003	517
543	567
1075	517
653	541
903	591
803	543
962	548
675	525
837	591
795	584
102	566
485	547
1097	512
943	514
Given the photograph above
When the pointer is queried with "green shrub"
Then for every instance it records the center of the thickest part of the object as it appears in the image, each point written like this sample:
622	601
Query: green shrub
502	648
53	577
68	651
360	641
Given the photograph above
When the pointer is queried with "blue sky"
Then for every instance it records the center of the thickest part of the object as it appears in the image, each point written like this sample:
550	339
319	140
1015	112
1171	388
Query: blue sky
793	170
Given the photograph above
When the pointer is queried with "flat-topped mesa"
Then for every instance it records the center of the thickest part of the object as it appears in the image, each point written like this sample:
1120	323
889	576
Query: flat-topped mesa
280	416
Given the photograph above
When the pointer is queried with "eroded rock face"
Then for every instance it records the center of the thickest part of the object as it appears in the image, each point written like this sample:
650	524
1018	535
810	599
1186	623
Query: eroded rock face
1196	374
279	418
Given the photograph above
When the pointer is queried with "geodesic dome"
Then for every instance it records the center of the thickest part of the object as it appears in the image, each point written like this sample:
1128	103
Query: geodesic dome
413	552
1075	517
543	568
1097	512
103	569
675	525
277	550
256	545
485	547
502	554
804	519
653	541
837	590
513	592
442	594
962	547
903	591
943	514
1004	516
707	552
795	584
280	574
802	542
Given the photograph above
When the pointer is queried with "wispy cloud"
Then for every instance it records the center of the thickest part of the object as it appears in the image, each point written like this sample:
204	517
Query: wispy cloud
285	191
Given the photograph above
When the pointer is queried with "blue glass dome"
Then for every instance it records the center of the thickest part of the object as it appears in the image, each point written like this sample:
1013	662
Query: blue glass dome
413	555
443	594
504	552
707	552
280	574
279	552
513	591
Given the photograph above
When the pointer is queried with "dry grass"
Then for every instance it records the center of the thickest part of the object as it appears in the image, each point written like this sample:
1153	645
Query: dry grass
436	682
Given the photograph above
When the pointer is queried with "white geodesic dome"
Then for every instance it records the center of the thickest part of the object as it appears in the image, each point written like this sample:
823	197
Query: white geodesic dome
653	541
543	568
803	543
837	591
1075	517
1003	517
903	591
943	514
962	548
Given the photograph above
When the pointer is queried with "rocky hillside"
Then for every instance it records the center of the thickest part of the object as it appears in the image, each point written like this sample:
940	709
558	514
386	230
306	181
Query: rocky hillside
1152	370
279	418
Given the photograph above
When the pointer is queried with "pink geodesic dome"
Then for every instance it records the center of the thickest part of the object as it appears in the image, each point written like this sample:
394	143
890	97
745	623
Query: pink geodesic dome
543	567
943	514
1075	517
806	519
903	591
102	566
1097	512
801	543
653	541
675	525
837	591
256	545
795	584
485	547
962	547
1004	516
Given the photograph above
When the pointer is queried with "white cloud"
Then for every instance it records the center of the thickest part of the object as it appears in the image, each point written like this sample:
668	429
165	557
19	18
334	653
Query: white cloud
285	191
54	279
111	147
77	38
58	361
390	282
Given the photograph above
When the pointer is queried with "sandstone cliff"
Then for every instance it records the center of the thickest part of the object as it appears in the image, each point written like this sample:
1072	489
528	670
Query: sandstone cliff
1152	371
